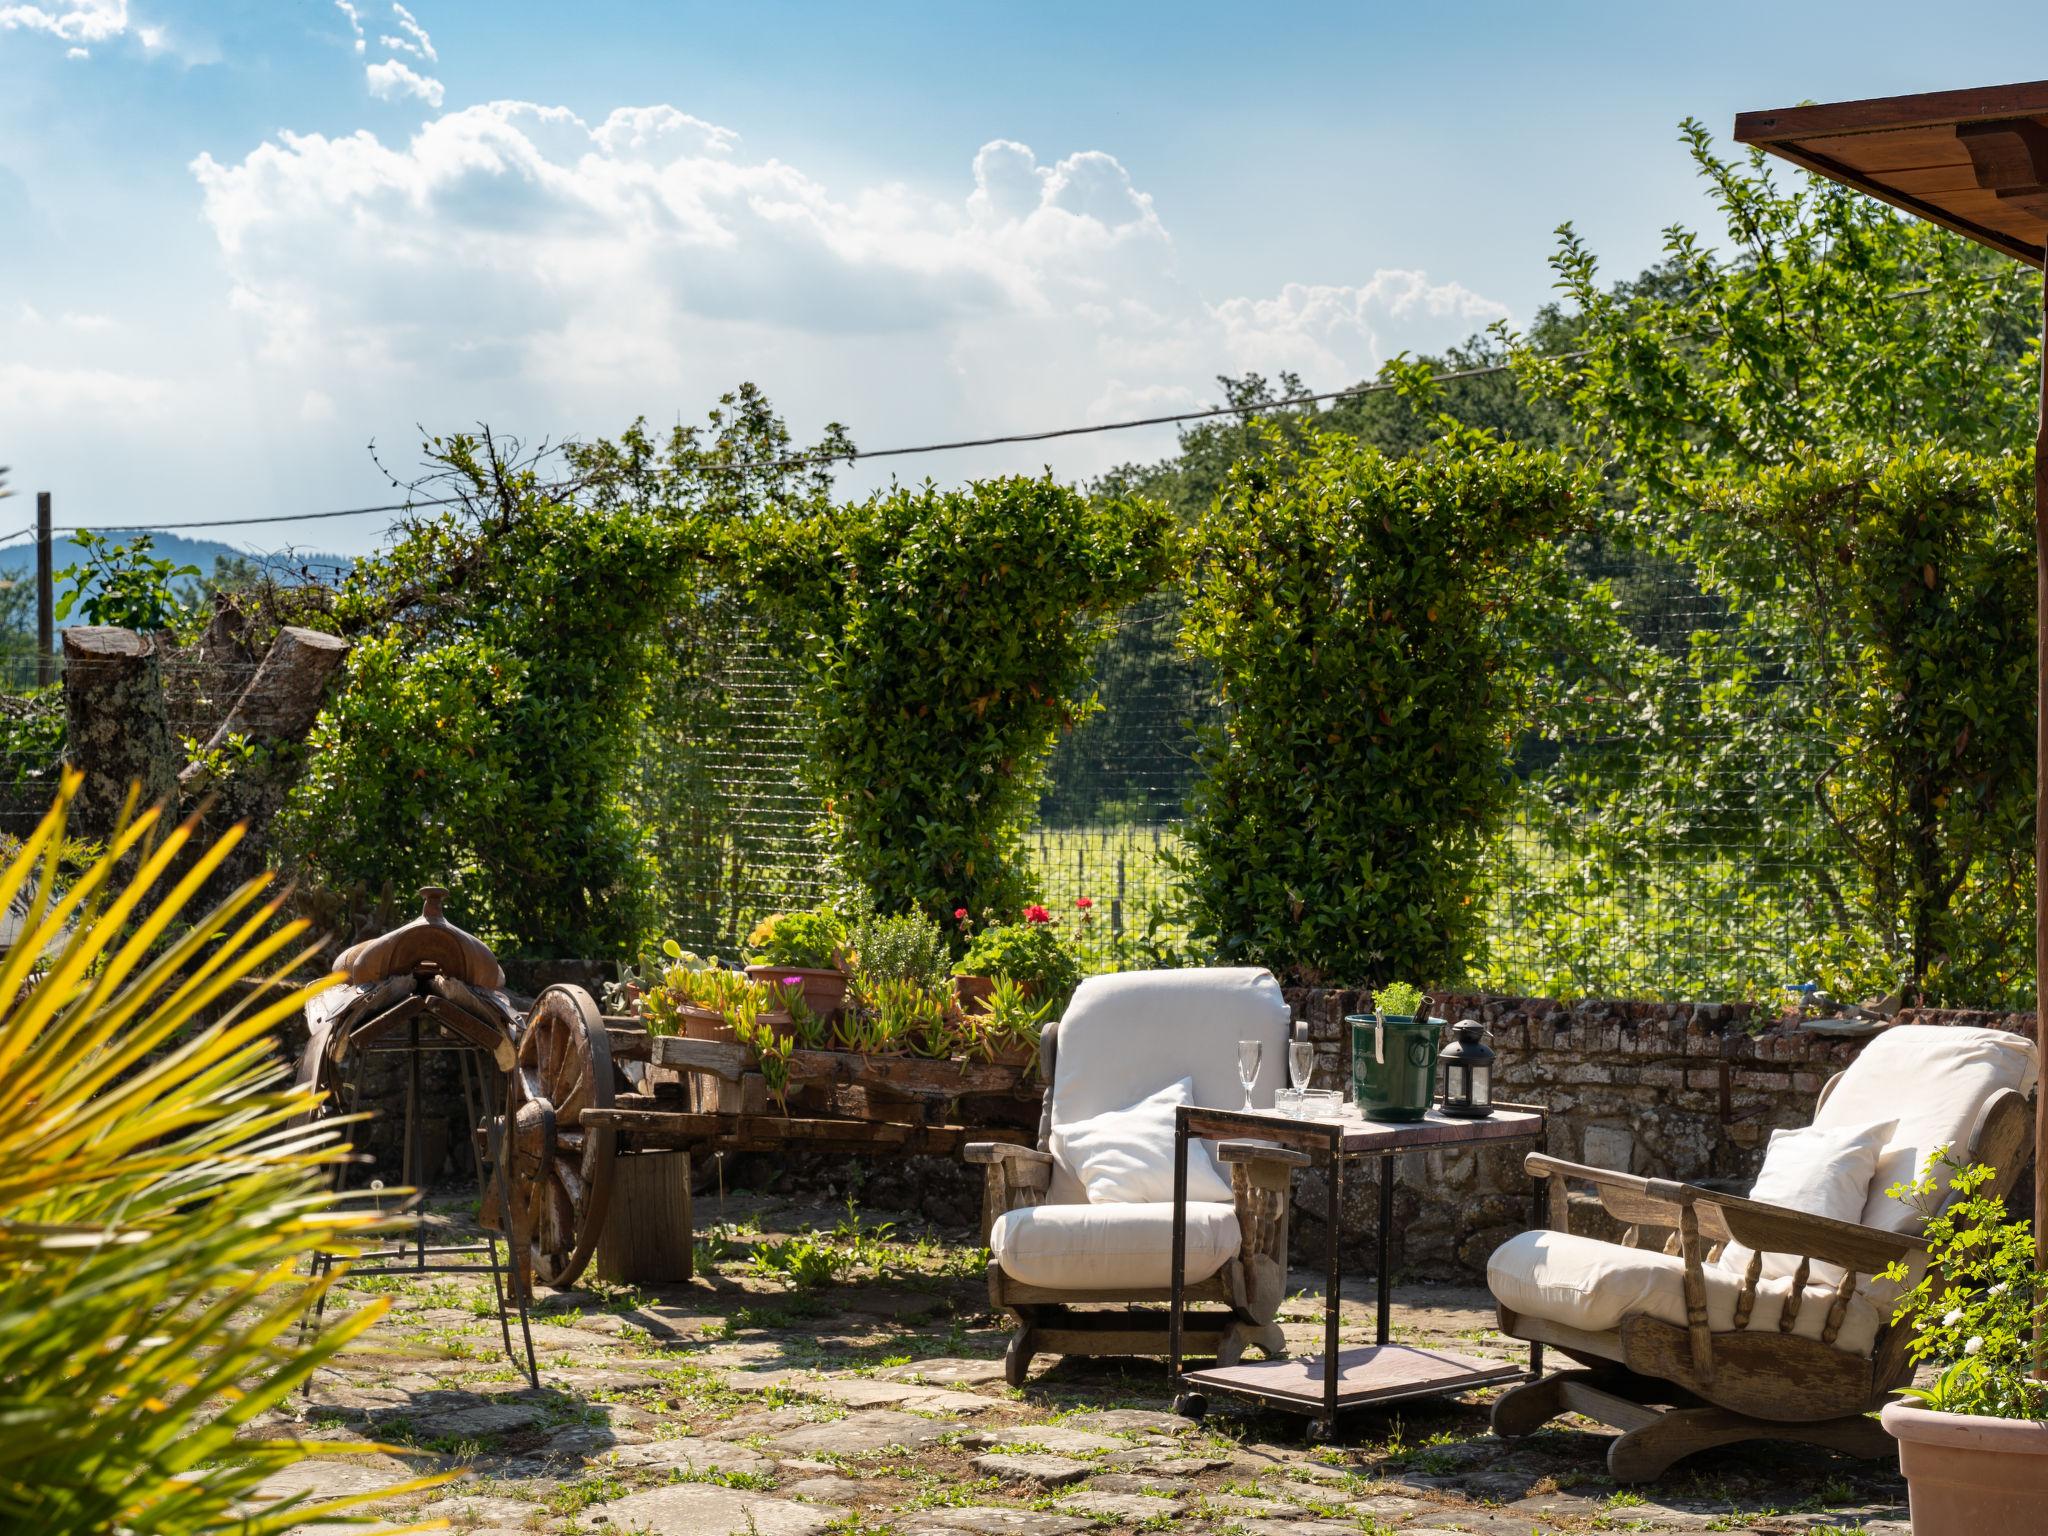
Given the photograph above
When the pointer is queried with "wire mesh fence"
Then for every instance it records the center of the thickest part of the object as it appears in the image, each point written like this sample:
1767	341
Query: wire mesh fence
1581	896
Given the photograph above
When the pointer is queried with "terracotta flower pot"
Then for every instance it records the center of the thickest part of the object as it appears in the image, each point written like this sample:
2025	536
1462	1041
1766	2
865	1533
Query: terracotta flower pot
824	991
706	1024
1968	1475
971	992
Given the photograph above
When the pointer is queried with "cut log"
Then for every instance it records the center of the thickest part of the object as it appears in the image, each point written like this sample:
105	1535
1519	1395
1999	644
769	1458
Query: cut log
648	1239
277	708
117	730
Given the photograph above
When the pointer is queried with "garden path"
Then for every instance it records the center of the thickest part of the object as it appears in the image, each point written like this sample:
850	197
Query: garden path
738	1406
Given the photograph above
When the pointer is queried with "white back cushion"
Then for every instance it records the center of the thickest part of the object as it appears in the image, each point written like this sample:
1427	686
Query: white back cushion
1824	1171
1125	1156
1937	1081
1127	1035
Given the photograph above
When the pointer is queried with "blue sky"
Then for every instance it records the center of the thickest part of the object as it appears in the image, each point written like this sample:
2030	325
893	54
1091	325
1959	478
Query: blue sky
236	248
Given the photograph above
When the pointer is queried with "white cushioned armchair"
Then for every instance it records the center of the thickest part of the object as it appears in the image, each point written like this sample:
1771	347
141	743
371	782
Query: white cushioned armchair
1721	1319
1086	1217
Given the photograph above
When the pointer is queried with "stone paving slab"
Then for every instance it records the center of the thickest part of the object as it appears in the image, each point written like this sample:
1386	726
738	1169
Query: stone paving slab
698	1509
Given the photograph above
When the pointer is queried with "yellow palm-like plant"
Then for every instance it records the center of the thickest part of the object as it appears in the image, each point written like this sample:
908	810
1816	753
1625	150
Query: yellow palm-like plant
159	1188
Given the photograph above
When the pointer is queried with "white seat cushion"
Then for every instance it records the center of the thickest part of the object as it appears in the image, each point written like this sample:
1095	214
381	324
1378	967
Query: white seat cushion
1121	1247
1937	1080
1820	1170
1592	1285
1125	1156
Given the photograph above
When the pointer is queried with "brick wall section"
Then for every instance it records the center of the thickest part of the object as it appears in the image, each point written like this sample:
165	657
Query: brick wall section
1676	1090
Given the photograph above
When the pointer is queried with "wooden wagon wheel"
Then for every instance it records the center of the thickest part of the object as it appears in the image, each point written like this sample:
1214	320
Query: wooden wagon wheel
561	1168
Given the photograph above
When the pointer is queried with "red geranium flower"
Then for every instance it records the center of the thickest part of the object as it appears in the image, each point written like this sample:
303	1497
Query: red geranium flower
1036	914
1084	902
959	914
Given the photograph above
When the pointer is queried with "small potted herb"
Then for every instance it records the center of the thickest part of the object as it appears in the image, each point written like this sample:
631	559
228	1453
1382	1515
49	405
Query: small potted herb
1974	1446
806	945
1006	1030
1393	1055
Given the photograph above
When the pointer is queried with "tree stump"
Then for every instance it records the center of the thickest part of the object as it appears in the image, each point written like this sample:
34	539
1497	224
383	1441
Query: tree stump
117	730
649	1238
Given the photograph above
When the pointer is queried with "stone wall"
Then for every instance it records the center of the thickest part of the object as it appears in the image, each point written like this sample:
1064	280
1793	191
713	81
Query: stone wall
1677	1090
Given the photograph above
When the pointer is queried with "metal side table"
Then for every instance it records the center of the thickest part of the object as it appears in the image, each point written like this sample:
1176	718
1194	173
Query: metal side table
1380	1372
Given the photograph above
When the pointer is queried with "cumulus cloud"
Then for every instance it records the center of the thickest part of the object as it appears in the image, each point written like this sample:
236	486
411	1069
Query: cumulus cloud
517	251
80	22
393	81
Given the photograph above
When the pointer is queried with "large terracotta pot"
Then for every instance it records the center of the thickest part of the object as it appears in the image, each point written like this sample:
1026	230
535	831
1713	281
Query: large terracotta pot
824	991
707	1024
971	993
1968	1475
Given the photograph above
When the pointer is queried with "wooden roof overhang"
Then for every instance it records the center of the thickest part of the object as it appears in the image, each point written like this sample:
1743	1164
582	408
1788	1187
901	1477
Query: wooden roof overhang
1972	161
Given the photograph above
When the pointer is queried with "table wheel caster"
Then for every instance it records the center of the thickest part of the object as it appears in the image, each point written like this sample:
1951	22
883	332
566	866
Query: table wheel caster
1191	1405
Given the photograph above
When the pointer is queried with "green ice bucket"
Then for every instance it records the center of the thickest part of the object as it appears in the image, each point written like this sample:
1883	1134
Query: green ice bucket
1393	1064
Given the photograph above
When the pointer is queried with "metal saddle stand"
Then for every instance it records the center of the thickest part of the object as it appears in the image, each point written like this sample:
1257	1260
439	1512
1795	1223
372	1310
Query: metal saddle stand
425	988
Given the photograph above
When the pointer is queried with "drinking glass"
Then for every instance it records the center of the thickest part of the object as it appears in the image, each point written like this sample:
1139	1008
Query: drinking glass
1301	1063
1248	1054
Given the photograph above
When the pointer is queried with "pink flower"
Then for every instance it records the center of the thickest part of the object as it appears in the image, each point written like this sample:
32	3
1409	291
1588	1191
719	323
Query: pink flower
1084	902
1036	914
959	914
792	981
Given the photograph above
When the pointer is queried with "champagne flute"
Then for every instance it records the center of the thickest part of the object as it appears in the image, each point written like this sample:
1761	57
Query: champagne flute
1248	1054
1301	1063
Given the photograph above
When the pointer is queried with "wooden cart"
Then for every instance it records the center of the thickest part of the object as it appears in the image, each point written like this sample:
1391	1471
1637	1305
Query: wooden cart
587	1090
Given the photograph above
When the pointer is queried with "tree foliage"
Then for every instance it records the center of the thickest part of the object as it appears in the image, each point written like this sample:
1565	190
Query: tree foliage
1359	613
1764	413
945	641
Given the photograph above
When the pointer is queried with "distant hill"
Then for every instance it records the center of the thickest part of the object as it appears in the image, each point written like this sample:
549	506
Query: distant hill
18	561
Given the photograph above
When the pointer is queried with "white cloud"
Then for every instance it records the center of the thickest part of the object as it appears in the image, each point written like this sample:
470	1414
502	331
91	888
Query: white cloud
50	394
355	21
391	80
79	22
515	258
419	43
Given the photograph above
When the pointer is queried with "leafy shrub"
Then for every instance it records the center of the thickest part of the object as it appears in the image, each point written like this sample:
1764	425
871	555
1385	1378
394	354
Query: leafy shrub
1979	1303
125	585
804	940
155	1200
481	735
1358	613
910	947
946	638
1030	953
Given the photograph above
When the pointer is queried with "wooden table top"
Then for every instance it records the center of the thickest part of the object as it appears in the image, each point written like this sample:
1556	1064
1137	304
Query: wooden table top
1435	1129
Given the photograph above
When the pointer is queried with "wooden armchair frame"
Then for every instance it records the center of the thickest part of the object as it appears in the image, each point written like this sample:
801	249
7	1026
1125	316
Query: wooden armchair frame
1673	1391
1250	1285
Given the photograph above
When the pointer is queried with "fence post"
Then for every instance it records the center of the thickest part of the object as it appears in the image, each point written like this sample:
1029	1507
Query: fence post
46	638
1116	915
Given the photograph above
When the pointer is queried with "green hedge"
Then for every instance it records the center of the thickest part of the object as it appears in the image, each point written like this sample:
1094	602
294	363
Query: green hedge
1360	615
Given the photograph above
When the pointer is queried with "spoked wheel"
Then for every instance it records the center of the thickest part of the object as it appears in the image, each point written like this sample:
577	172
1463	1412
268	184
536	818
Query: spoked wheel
561	1168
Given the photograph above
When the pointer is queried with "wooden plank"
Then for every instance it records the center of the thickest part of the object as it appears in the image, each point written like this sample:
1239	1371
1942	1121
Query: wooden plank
1877	113
1911	149
630	1044
716	1058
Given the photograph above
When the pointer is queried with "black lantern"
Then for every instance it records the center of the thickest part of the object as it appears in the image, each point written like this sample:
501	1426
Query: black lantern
1468	1072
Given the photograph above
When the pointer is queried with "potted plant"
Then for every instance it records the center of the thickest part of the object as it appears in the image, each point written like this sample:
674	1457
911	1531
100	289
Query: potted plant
687	997
805	945
1393	1055
1974	1446
1031	953
1005	1031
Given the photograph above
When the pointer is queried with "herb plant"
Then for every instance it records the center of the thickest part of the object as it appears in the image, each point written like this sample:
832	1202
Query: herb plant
1033	954
1398	1001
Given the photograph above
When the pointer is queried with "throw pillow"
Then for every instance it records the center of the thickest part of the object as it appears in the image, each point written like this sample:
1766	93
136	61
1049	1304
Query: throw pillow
1125	1156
